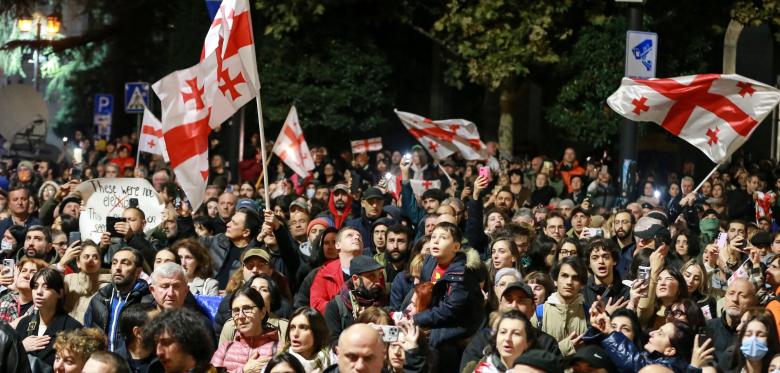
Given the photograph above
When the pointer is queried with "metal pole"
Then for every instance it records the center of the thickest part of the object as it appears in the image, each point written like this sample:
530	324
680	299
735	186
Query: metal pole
628	127
138	153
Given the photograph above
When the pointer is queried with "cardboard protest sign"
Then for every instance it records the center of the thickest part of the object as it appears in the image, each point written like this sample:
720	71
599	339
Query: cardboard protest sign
110	196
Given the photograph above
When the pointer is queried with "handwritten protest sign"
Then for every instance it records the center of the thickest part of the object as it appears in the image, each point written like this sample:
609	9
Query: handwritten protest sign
110	196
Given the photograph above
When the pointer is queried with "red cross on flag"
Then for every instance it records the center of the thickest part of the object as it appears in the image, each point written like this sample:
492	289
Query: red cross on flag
291	147
151	139
443	137
199	98
420	186
367	145
715	113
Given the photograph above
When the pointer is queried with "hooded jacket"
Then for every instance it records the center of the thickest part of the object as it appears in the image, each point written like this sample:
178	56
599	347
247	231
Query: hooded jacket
339	218
560	320
106	306
457	303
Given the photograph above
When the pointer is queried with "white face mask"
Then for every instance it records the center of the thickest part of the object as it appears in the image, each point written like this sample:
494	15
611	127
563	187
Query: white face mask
6	245
310	193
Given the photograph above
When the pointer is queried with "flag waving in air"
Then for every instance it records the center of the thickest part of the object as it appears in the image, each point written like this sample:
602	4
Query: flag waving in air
715	113
291	147
444	137
199	98
151	139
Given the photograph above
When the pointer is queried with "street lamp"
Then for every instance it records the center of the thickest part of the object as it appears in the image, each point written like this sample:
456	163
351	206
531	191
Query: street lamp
52	24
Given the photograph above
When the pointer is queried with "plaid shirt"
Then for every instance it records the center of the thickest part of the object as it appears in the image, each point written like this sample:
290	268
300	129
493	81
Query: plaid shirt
9	306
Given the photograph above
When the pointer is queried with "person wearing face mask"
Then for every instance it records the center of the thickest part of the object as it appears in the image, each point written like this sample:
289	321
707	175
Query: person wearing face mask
365	288
755	345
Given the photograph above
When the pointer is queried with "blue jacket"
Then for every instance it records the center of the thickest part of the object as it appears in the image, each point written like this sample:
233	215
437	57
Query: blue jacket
627	358
457	304
402	285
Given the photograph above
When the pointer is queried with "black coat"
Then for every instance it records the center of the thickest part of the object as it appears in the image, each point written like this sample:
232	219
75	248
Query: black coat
60	322
722	335
13	358
457	305
98	312
617	290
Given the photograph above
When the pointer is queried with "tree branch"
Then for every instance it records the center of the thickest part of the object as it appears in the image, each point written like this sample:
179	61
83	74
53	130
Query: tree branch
63	44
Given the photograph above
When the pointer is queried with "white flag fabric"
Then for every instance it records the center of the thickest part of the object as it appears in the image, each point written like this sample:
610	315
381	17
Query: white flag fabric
199	98
715	113
420	186
151	139
366	145
442	138
291	147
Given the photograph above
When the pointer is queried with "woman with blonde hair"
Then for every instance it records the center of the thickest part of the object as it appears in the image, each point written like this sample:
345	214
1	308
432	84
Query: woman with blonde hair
698	284
73	348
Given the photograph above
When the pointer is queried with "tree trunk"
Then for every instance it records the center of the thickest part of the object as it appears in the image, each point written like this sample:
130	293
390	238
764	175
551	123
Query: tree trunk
507	103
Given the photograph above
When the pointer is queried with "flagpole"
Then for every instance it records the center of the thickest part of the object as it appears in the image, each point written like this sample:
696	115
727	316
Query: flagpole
138	153
444	172
706	178
259	116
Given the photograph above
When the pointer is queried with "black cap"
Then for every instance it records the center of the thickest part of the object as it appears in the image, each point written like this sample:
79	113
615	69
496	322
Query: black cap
579	209
434	193
647	206
522	286
540	359
373	193
363	264
646	227
658	215
595	356
761	239
68	200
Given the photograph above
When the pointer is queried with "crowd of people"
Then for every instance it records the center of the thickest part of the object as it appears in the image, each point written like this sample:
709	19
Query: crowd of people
512	265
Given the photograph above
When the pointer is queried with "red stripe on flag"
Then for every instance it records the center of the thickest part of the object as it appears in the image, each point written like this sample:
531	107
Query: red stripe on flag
187	141
436	132
149	130
240	34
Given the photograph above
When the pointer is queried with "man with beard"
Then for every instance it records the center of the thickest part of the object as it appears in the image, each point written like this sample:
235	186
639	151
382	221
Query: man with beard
365	289
126	288
396	258
740	296
37	244
623	226
339	205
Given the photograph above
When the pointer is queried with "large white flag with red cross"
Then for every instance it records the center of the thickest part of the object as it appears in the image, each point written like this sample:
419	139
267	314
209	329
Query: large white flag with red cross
715	113
199	98
291	147
442	138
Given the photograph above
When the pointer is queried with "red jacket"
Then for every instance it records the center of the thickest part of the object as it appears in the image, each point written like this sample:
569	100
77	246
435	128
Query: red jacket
326	285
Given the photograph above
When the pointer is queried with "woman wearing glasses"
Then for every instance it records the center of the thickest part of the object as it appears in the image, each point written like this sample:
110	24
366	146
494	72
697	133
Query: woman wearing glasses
255	342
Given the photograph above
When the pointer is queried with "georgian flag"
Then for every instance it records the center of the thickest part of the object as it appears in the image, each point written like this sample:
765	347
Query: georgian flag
373	144
199	98
291	147
443	137
715	113
151	139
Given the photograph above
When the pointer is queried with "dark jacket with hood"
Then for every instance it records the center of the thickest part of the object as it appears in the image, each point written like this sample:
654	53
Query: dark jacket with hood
457	304
106	302
614	291
363	225
475	228
220	248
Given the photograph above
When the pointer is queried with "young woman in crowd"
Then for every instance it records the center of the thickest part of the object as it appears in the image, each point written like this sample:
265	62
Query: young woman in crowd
16	303
81	286
74	347
503	254
698	285
514	335
570	246
627	322
255	342
542	253
196	262
323	251
166	255
686	247
284	363
307	340
38	329
755	345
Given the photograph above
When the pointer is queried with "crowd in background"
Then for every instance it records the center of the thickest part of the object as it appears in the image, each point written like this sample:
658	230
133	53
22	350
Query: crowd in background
522	264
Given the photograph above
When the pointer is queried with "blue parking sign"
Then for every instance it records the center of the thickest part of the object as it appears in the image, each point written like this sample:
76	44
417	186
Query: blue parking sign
104	103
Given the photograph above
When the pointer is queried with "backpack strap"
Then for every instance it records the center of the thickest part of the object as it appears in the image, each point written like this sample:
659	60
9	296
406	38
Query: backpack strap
539	314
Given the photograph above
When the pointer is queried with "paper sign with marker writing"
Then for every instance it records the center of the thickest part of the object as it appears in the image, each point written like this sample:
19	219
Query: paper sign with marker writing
110	196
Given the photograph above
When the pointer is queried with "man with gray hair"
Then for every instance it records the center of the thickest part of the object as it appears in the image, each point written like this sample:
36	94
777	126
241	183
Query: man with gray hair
171	292
740	296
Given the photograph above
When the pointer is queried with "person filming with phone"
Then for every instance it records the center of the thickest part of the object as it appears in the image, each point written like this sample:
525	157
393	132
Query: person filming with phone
127	231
